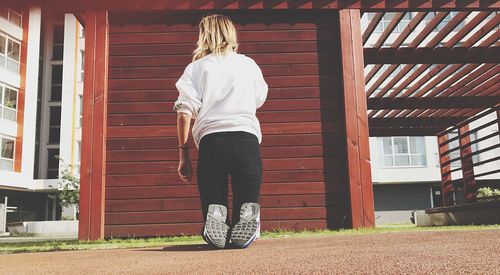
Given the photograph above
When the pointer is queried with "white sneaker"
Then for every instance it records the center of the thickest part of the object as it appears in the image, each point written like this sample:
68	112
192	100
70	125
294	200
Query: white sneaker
215	229
248	228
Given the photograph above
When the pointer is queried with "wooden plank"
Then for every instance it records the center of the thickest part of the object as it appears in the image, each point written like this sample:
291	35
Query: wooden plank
252	26
179	60
172	179
355	111
371	26
191	191
275	81
267	129
172	154
446	183
264	117
440	55
397	16
452	102
267	69
93	160
152	230
170	142
190	216
469	179
171	204
161	6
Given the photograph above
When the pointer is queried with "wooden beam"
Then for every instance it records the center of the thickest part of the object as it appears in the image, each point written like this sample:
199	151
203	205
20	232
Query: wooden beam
372	25
388	29
447	90
403	131
440	55
93	159
431	122
408	29
356	120
400	103
468	177
445	167
162	5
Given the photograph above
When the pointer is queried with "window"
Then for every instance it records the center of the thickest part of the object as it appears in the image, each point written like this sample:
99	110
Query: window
386	20
58	45
402	152
8	103
10	53
82	62
56	89
444	22
455	144
55	125
53	164
80	121
78	158
14	16
7	154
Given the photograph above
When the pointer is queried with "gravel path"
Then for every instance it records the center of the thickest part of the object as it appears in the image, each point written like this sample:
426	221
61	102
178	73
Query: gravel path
452	252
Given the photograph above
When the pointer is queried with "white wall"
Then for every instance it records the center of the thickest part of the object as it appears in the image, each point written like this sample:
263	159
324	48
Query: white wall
71	89
25	178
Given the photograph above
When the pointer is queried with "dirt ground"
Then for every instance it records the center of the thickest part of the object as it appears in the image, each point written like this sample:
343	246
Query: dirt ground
452	252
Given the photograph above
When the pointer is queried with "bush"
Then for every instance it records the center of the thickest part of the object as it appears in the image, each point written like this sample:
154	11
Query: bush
486	192
68	190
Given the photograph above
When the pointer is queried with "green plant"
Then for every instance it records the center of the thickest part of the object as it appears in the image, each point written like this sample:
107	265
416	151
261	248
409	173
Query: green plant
487	192
68	190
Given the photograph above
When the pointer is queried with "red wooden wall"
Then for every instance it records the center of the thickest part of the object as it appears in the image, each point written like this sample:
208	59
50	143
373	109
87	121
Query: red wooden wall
303	146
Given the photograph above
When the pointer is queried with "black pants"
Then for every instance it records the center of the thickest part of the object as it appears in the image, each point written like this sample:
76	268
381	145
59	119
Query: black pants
229	153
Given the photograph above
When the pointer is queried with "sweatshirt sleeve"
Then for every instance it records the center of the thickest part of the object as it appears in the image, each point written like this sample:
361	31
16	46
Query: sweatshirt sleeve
261	88
189	100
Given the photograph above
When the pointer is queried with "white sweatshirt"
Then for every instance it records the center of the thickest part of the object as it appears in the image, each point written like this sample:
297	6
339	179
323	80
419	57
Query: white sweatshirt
222	93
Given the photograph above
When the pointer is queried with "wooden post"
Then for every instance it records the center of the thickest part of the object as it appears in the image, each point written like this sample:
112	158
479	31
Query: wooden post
93	157
468	177
356	119
446	184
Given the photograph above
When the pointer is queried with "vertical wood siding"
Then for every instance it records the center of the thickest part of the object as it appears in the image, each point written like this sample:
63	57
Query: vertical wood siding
303	144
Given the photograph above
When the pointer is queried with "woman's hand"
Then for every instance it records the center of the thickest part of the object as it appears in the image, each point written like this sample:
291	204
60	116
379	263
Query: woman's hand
185	169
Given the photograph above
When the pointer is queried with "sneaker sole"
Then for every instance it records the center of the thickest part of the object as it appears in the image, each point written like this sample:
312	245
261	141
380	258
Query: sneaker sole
216	229
245	232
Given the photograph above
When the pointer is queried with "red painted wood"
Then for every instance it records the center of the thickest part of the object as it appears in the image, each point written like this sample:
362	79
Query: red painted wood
171	204
195	228
356	120
156	5
468	176
93	161
446	184
302	147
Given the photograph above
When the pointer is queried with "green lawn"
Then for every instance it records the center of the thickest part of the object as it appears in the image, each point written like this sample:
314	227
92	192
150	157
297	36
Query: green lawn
7	248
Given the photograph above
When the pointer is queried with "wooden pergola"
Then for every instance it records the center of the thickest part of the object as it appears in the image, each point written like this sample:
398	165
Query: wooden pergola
462	83
439	82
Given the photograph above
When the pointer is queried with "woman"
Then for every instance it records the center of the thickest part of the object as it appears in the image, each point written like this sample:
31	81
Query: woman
221	89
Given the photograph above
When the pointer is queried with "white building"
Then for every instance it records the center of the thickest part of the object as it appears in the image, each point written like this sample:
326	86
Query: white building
40	116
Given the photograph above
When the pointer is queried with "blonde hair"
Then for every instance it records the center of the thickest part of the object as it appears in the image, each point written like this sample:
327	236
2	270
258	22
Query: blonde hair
217	34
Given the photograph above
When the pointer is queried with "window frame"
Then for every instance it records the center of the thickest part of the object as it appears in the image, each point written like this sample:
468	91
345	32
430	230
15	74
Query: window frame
9	38
3	88
410	154
12	11
2	137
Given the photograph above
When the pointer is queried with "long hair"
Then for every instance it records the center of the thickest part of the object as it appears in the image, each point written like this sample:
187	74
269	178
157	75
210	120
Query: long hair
217	34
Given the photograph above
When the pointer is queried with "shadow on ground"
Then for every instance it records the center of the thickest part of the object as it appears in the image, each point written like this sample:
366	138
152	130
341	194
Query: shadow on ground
186	247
